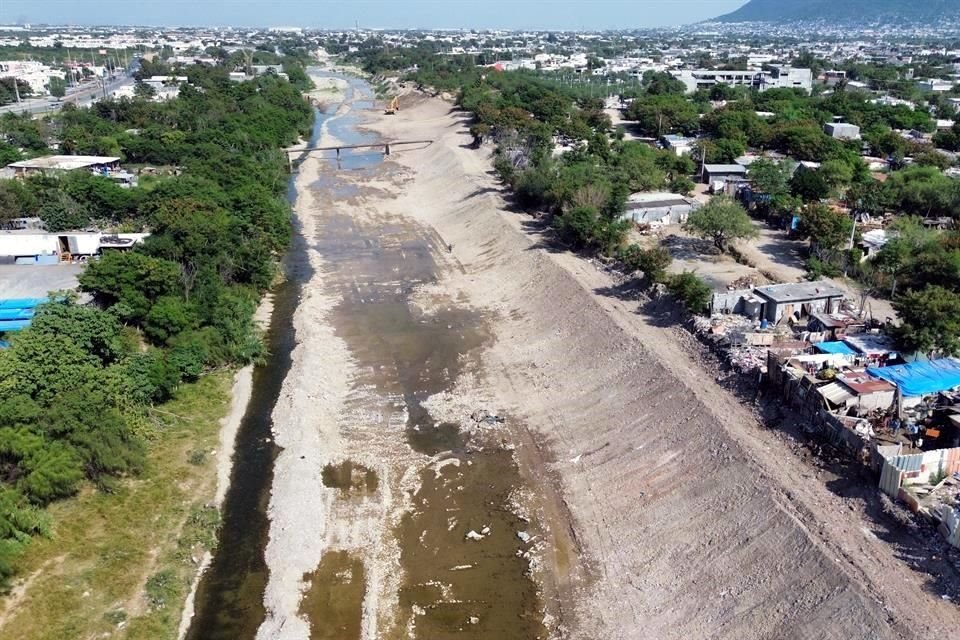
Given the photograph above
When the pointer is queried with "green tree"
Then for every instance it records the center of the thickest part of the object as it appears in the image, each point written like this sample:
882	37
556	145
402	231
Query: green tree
930	321
810	185
682	185
828	230
721	220
167	318
57	87
143	90
770	177
61	212
132	281
658	115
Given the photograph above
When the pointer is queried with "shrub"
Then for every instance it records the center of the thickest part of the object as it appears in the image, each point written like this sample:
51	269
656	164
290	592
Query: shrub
652	262
690	290
818	269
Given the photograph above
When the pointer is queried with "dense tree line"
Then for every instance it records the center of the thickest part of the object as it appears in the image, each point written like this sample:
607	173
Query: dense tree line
76	385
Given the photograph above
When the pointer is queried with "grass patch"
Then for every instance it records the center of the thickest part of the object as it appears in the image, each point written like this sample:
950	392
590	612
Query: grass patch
129	556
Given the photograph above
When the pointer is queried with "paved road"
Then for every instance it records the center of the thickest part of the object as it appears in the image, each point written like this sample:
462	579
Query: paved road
81	96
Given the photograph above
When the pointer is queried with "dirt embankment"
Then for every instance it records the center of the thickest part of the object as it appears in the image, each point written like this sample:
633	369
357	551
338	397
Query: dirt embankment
692	521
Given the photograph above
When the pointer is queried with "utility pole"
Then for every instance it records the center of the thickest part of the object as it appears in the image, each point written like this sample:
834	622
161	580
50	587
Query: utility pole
853	233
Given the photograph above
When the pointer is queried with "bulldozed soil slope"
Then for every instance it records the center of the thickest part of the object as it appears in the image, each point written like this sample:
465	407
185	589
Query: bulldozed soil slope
690	522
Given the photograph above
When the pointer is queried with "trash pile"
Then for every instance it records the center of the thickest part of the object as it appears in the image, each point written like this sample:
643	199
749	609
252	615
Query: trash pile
747	359
737	338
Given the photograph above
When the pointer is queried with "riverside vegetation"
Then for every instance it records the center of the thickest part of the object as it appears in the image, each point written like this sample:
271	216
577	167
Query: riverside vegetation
88	390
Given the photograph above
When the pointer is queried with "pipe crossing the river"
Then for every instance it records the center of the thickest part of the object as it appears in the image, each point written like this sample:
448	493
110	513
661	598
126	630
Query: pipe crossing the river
386	148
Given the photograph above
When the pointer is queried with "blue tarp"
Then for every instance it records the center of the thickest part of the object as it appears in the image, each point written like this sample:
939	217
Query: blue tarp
16	314
839	348
20	303
921	378
13	325
4	344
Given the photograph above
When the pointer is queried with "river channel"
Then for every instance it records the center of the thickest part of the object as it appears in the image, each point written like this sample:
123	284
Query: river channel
439	497
229	598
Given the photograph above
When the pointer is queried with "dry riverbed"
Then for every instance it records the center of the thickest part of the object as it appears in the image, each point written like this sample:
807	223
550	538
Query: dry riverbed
624	494
398	508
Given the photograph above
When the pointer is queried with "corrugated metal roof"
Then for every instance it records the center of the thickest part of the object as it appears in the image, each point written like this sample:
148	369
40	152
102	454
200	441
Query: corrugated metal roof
863	384
836	393
724	168
870	345
66	163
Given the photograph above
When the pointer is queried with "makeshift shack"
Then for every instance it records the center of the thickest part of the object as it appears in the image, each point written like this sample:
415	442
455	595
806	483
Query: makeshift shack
798	300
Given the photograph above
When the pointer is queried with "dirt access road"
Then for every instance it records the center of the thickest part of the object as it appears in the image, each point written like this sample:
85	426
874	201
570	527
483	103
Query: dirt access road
643	499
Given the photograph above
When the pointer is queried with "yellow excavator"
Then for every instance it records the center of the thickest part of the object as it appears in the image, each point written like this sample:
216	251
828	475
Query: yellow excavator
393	107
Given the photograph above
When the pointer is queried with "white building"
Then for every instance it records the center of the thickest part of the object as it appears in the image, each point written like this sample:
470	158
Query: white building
775	78
36	74
842	130
935	85
40	247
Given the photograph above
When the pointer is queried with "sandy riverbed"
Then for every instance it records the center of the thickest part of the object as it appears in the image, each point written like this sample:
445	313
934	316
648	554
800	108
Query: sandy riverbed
668	513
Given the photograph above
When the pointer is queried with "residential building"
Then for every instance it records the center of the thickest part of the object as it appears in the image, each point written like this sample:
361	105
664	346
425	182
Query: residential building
842	130
723	173
659	208
799	300
935	85
678	144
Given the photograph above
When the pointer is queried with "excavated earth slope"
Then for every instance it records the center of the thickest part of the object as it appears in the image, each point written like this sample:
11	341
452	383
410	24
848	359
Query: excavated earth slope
689	522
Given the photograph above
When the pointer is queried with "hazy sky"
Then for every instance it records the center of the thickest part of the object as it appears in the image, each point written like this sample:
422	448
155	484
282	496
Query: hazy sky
519	14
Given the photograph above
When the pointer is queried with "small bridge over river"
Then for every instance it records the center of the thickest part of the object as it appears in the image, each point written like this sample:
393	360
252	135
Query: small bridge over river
387	148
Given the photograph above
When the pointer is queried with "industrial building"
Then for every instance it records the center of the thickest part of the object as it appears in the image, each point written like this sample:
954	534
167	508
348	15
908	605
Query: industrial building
47	164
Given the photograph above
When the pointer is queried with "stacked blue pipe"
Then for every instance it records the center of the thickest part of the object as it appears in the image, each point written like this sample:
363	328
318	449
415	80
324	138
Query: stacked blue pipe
16	313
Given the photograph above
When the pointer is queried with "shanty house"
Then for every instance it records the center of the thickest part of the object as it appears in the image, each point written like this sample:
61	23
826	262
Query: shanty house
798	300
658	208
857	392
723	173
834	326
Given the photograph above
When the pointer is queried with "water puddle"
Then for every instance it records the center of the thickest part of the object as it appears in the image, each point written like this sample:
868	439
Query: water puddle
460	551
350	477
334	601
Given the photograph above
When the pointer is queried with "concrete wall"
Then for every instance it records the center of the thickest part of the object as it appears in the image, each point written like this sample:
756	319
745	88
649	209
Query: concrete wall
729	301
775	311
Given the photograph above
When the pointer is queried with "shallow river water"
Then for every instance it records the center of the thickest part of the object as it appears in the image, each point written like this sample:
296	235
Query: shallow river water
460	540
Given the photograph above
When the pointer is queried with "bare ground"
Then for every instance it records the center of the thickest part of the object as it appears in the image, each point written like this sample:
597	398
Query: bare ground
692	520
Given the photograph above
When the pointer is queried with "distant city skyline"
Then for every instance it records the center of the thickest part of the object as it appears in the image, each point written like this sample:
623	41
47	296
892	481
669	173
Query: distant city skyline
343	14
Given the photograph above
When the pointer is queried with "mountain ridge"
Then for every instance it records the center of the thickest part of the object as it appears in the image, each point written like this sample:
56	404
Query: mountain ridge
865	11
